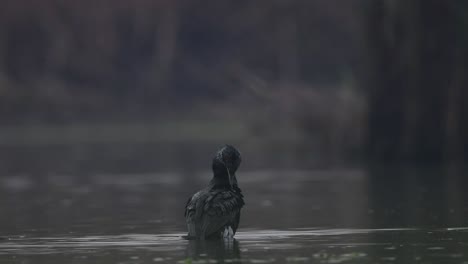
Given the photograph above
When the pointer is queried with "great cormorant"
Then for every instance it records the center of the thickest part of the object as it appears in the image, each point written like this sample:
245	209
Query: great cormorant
214	211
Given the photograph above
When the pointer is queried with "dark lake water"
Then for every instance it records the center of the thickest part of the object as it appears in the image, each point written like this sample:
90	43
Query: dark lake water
305	245
304	216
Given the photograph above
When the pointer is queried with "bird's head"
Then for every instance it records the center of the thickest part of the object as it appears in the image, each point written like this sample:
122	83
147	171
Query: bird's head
226	162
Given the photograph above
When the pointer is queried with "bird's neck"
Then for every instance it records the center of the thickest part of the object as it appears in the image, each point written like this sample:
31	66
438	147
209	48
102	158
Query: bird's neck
221	180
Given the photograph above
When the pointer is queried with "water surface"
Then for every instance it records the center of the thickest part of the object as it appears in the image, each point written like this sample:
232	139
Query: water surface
250	246
303	216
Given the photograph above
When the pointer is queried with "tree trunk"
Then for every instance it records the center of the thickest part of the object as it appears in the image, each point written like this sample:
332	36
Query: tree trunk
415	82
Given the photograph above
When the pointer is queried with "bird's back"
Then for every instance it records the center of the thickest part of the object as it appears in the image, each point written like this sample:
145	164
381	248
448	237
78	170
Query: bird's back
214	212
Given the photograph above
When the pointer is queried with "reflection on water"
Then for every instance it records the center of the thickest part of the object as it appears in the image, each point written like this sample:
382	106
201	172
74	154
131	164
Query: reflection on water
324	216
252	246
154	202
219	250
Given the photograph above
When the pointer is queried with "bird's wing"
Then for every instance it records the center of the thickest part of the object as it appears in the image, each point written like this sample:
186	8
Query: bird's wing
188	208
220	208
193	212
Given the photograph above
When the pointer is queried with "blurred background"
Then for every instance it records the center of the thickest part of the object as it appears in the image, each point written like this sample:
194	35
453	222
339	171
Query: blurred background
111	111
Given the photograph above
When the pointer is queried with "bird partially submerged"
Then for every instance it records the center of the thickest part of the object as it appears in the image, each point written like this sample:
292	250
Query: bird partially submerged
214	211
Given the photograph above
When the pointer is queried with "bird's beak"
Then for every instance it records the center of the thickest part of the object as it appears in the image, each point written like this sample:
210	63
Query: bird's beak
229	176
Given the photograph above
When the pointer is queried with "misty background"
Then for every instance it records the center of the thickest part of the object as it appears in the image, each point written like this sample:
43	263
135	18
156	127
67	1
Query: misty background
104	104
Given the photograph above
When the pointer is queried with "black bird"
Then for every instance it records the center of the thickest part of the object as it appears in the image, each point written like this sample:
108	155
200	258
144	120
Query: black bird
214	211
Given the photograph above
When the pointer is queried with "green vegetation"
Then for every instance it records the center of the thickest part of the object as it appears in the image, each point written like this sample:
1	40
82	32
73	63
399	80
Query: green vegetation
380	79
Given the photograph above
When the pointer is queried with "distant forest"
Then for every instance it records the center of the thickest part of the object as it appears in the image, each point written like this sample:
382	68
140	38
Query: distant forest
69	60
83	57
